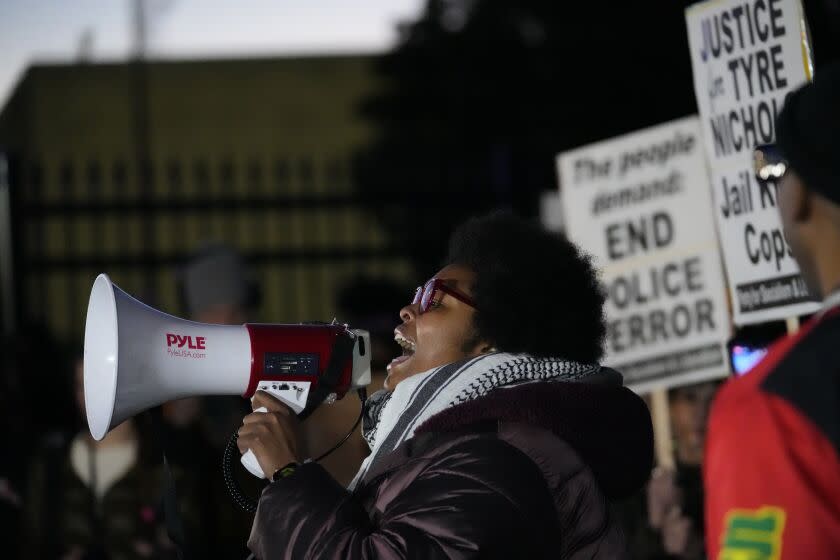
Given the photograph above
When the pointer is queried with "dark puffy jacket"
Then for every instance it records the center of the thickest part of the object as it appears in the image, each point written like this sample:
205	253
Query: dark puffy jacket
522	472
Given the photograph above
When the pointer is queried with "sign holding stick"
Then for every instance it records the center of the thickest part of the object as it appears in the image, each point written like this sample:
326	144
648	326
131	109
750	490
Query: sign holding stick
640	205
746	57
662	438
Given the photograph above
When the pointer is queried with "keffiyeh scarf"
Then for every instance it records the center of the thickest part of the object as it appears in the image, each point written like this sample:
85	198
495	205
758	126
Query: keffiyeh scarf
392	417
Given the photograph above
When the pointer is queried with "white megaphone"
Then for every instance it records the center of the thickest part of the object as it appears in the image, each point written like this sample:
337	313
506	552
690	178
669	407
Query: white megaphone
137	357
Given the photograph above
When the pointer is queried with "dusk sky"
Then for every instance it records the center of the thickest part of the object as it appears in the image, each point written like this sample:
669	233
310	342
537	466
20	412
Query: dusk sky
53	30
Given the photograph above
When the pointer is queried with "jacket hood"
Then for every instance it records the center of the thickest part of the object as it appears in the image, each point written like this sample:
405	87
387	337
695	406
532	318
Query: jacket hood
608	425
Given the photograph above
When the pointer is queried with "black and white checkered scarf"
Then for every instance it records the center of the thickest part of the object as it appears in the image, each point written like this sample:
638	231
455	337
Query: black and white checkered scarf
392	417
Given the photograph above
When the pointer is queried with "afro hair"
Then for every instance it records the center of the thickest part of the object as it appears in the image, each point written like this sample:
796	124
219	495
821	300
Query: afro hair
535	291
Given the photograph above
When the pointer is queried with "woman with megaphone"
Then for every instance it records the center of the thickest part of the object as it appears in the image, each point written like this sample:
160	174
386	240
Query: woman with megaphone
497	435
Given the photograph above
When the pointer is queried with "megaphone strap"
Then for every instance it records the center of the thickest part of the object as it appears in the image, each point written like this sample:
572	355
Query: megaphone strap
342	351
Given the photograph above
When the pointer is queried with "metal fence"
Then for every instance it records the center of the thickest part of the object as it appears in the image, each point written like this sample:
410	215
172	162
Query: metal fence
297	220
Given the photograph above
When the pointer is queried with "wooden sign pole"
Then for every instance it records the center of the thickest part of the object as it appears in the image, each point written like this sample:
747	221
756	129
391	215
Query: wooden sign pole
662	440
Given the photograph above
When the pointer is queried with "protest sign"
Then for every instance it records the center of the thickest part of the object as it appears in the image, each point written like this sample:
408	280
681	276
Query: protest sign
640	205
746	57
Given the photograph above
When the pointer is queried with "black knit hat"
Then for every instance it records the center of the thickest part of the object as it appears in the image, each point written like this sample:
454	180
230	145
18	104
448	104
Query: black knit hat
808	131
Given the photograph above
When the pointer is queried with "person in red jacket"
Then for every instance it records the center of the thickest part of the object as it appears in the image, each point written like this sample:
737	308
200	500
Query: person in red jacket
772	472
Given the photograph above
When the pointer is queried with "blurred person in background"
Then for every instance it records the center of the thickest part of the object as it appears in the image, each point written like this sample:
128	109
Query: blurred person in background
772	470
216	287
363	303
666	520
32	362
91	499
497	434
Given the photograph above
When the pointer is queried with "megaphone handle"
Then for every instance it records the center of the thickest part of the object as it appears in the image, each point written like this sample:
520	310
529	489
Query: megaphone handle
249	460
294	395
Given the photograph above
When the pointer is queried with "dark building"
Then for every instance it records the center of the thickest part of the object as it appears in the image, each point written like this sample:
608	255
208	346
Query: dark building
125	168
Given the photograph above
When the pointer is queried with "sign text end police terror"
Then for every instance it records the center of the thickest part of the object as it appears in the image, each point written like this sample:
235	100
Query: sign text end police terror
640	205
666	300
666	284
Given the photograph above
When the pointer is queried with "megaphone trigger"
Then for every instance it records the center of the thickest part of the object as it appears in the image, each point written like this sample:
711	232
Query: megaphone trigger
293	395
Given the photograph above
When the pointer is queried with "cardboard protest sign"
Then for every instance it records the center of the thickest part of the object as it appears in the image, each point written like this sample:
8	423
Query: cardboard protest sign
746	56
640	205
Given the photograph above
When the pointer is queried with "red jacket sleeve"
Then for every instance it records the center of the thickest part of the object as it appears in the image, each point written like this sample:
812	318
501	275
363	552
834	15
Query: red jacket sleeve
772	481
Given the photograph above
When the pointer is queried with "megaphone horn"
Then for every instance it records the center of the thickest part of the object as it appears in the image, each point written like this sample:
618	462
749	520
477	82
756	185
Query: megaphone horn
137	357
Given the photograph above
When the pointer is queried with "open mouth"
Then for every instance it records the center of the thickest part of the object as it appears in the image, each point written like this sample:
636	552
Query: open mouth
408	347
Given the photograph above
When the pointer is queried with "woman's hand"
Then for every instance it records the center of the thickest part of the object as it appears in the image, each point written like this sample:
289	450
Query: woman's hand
273	436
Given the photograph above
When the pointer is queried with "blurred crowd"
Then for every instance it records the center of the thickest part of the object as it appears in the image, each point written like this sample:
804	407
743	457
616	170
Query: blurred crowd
771	437
760	466
103	499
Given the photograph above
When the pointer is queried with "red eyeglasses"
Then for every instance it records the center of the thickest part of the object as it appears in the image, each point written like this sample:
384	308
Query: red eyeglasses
426	295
